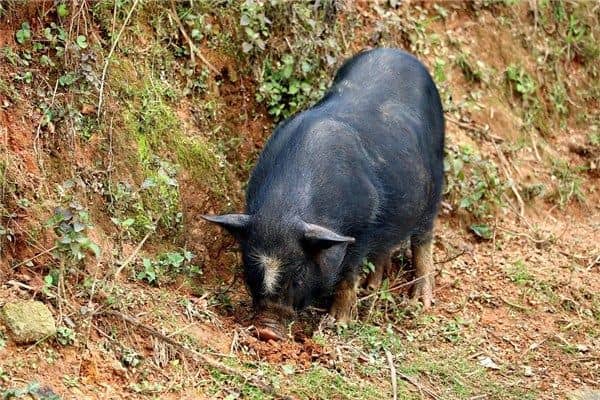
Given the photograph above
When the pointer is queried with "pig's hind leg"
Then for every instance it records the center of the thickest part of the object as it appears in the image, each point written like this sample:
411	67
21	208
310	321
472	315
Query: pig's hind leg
421	246
383	264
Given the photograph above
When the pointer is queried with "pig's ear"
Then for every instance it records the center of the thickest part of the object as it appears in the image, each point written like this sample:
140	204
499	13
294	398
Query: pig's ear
323	237
327	247
236	224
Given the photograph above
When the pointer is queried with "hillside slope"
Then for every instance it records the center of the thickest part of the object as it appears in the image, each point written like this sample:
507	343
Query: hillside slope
122	122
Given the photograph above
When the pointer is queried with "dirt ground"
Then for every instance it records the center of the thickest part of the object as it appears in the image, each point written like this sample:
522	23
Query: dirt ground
516	315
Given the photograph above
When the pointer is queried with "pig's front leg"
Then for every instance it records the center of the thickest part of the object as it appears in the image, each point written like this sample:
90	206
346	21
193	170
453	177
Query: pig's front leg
344	301
425	270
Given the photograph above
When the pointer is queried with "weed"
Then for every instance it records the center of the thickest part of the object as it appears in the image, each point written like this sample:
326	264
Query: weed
288	86
472	182
65	336
168	263
473	73
255	25
23	35
70	225
32	390
569	185
519	274
152	206
367	266
130	358
523	83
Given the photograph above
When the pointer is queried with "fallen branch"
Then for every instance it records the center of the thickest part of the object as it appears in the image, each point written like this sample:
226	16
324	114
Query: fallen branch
133	254
511	182
397	286
515	305
595	262
193	48
204	358
475	128
454	257
419	387
20	285
392	373
34	257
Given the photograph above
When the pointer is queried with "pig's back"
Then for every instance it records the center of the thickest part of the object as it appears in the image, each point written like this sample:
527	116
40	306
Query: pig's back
368	157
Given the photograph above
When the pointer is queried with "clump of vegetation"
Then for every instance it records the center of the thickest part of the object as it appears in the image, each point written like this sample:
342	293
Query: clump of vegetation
171	263
294	73
289	86
472	182
153	206
569	184
70	225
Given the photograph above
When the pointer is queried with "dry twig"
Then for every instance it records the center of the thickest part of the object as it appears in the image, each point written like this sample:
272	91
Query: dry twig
392	373
133	254
110	53
193	48
419	387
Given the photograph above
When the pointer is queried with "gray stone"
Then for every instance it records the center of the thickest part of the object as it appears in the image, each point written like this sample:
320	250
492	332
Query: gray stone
28	321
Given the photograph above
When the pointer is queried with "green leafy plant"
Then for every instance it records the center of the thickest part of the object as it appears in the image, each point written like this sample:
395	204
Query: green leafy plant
473	184
289	85
168	263
569	185
519	274
255	24
62	10
522	82
70	225
32	390
151	206
23	35
367	266
130	358
65	336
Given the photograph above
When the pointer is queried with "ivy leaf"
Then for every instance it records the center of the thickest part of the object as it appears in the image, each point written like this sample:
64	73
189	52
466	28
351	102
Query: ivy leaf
24	34
62	10
482	230
81	42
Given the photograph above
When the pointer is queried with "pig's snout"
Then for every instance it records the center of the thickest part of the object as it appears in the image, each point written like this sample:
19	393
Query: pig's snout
269	326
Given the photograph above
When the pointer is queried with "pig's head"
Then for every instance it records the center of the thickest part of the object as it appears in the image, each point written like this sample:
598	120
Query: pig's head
287	263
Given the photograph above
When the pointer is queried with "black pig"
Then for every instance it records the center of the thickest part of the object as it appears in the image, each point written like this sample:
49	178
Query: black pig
348	179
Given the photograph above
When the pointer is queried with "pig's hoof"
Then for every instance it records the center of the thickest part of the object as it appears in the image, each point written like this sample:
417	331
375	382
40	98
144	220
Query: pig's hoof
423	291
342	313
373	281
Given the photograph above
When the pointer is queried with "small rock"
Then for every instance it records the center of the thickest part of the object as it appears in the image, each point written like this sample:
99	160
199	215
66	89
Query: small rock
527	371
487	362
585	394
28	321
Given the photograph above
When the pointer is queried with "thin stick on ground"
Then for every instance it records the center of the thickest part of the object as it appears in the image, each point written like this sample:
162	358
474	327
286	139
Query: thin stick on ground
110	53
193	48
392	374
419	387
511	182
451	258
34	257
133	254
204	358
396	287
